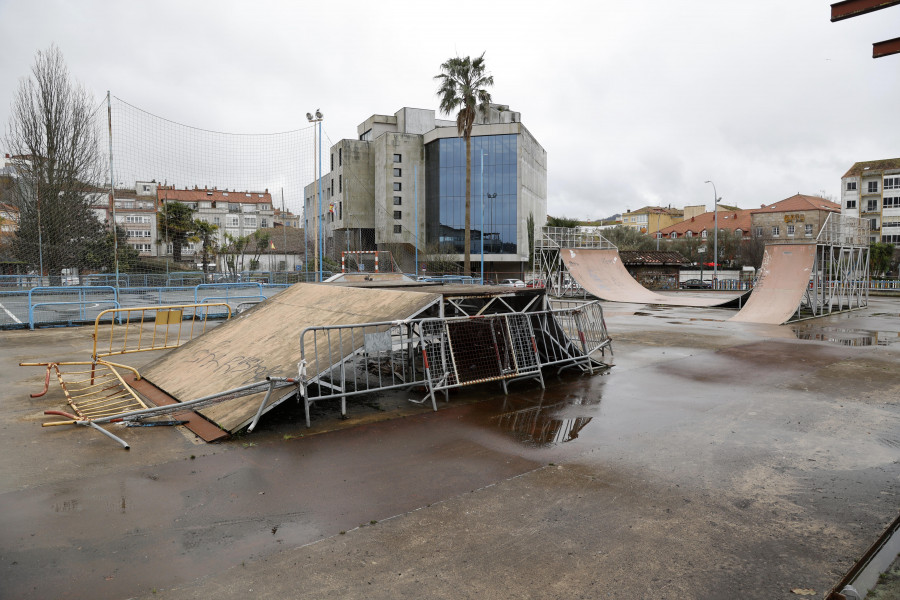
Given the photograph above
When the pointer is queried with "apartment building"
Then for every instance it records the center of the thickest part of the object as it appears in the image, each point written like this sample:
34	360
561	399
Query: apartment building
871	190
651	219
236	213
135	212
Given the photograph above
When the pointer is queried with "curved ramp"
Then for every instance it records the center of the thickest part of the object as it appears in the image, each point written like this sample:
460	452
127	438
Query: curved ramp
602	274
783	280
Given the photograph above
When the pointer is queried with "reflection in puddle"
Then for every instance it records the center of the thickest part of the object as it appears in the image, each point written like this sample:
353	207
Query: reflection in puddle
544	424
846	337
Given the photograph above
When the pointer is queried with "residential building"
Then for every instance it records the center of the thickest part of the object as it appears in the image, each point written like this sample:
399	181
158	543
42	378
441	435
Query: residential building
871	190
795	219
285	218
135	213
9	222
651	219
235	213
704	224
401	185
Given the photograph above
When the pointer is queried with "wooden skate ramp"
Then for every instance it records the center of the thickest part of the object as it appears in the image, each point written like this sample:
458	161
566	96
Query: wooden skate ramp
266	341
602	274
783	279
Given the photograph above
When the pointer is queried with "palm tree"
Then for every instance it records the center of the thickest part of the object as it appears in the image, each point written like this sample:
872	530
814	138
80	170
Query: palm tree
463	84
205	233
175	224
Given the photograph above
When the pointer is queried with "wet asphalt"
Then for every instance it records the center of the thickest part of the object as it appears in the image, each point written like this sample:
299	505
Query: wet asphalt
713	460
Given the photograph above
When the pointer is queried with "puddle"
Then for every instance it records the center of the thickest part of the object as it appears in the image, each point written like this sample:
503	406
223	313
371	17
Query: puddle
843	336
546	423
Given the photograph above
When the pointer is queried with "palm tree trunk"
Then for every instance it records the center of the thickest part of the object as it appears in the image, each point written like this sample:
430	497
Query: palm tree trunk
467	263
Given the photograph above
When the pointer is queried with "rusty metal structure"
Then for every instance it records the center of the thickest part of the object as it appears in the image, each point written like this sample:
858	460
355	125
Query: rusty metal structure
854	8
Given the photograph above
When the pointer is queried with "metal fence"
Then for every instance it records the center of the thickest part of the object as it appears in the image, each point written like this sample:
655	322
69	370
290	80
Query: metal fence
439	354
80	305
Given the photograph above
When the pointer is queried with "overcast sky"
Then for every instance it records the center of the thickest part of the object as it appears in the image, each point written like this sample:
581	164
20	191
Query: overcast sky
636	103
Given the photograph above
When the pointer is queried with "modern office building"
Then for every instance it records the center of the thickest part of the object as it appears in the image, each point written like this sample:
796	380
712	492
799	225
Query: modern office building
401	186
871	190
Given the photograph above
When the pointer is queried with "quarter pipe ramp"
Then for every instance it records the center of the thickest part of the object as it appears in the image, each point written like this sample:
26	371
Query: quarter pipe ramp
601	273
783	280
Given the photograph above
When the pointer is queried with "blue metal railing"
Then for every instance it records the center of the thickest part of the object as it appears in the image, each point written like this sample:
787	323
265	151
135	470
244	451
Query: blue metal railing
72	305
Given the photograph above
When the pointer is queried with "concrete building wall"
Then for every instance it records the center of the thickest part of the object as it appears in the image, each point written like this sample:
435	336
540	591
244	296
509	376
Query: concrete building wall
411	152
532	183
693	211
355	172
418	121
375	126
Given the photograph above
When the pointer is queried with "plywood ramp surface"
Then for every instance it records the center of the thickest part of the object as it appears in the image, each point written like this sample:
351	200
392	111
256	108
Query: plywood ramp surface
602	274
783	280
266	341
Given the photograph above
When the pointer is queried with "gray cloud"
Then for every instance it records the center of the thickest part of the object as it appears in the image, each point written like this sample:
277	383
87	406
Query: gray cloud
635	103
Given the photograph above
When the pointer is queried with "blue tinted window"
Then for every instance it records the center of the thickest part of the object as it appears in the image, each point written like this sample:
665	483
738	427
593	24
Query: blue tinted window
446	197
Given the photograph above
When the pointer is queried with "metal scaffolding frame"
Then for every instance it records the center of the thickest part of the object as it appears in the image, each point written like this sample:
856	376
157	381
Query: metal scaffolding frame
839	280
549	263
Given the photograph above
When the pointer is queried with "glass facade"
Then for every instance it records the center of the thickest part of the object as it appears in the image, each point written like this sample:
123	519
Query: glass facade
445	193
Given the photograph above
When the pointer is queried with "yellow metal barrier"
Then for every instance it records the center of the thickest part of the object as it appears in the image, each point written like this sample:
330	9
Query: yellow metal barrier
95	389
146	328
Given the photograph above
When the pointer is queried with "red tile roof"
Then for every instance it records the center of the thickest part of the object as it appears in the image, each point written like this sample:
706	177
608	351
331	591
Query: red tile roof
652	257
168	192
799	202
730	220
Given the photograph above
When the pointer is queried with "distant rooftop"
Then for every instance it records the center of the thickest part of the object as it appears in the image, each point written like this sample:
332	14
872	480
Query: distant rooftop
861	168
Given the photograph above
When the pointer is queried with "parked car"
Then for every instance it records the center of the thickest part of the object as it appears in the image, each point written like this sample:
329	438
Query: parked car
695	284
534	283
512	283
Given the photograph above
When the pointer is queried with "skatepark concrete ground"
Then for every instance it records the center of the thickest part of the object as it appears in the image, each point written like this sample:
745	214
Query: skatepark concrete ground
715	460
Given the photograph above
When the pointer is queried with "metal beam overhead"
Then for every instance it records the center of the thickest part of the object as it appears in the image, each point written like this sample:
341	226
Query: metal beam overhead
886	48
854	8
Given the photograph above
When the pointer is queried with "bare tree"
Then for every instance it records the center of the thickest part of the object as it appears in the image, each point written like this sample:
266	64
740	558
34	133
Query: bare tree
53	137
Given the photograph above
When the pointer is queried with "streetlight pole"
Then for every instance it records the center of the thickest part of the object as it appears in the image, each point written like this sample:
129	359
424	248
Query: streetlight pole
482	217
320	243
715	236
658	214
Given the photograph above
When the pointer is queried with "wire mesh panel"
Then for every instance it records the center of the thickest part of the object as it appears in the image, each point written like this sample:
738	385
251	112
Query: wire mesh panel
469	350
